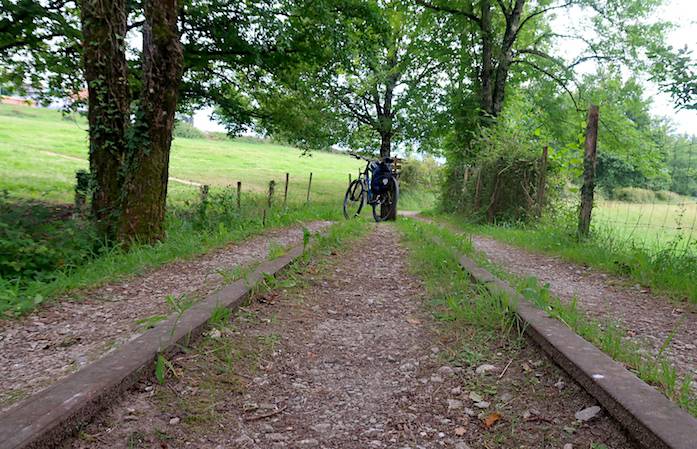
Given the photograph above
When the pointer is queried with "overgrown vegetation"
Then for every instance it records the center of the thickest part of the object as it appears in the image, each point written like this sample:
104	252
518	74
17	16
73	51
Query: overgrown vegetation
71	257
451	293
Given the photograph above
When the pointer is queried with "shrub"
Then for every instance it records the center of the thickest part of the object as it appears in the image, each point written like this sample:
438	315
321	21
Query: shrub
186	130
634	195
417	175
668	196
36	239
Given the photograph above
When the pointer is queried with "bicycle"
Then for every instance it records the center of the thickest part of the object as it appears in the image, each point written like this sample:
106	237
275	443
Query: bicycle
377	185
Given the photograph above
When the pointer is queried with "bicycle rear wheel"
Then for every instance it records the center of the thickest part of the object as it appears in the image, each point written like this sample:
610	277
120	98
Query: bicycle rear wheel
386	206
354	199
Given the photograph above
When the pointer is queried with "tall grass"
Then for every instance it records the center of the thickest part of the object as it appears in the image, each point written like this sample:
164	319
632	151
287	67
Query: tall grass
668	270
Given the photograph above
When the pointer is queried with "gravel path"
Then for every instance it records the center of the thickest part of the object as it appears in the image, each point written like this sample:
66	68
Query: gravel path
337	363
58	339
648	318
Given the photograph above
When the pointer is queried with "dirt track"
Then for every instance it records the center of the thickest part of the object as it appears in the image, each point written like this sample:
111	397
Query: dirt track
335	363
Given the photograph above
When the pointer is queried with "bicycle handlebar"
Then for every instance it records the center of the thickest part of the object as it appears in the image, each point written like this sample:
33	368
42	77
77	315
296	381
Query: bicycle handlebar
358	156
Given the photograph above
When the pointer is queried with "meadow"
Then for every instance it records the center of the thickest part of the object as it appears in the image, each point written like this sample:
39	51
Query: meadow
654	226
40	151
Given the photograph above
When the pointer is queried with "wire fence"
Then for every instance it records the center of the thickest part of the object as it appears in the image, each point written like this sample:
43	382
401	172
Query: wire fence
661	215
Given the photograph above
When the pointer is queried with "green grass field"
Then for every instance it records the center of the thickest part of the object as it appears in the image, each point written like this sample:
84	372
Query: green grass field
40	150
654	226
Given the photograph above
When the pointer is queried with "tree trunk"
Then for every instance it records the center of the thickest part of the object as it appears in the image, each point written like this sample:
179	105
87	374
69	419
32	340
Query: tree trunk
589	162
106	73
487	70
506	56
385	144
148	165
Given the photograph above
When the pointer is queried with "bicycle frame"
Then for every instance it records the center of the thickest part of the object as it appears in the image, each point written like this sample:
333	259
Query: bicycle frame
366	179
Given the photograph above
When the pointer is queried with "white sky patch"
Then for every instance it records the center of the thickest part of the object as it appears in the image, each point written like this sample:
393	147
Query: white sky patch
683	14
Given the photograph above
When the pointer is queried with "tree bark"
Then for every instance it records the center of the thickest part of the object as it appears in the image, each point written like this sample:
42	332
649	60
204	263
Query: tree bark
145	186
385	144
106	72
487	70
506	56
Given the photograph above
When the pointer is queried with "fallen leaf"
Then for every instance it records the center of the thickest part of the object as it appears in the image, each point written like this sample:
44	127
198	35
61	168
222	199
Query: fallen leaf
459	431
492	419
413	321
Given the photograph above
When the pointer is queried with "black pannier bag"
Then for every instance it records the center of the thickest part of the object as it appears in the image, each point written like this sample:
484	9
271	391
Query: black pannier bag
381	178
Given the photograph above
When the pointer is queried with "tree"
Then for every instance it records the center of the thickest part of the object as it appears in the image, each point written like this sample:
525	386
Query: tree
370	93
106	75
134	94
129	161
515	32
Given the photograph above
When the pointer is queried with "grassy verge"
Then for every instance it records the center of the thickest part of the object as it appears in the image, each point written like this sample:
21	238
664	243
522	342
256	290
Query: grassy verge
417	200
670	271
655	369
190	232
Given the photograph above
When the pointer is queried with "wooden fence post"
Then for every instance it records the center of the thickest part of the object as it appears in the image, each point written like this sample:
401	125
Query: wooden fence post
309	186
466	179
589	161
477	189
285	190
239	195
204	193
542	181
272	188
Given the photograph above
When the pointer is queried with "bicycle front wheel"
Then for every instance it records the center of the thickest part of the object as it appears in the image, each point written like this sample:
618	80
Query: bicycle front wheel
386	207
354	199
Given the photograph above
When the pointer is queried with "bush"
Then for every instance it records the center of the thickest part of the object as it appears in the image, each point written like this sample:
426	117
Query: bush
633	195
639	195
186	130
37	239
668	196
418	175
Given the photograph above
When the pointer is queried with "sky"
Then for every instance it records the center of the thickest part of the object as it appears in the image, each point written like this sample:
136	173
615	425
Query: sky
683	13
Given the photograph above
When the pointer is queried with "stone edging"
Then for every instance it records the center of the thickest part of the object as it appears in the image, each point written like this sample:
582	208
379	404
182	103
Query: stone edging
651	419
45	419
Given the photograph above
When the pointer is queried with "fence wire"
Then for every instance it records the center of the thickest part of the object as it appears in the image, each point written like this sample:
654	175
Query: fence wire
661	215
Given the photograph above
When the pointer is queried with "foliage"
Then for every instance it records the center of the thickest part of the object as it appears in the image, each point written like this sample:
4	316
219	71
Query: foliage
377	88
420	175
36	239
676	72
639	195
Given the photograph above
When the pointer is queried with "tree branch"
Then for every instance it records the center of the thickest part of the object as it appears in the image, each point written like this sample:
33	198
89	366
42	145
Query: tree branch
450	10
550	75
544	10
